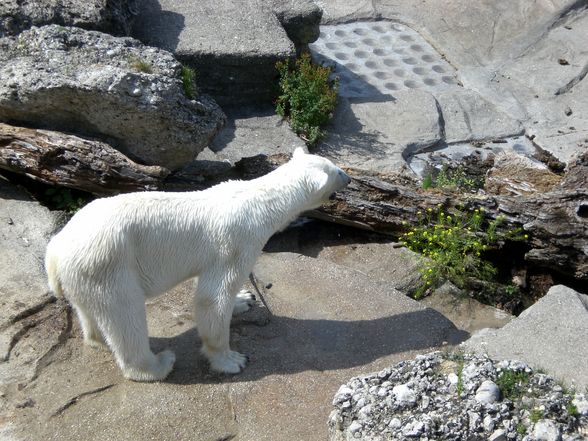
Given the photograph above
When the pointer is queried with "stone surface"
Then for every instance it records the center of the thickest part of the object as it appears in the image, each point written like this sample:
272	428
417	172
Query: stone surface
113	17
467	116
381	135
548	335
25	228
98	85
233	46
487	393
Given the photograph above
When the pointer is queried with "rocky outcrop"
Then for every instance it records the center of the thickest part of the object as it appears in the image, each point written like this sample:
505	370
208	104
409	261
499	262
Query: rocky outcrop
114	89
456	397
110	16
234	46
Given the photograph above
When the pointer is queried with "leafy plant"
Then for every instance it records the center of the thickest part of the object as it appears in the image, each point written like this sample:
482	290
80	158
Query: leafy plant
521	429
572	410
536	415
188	76
63	199
140	65
452	178
454	245
307	97
512	383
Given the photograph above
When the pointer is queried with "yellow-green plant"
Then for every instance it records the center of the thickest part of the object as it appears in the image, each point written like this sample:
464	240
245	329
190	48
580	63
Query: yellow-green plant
454	245
307	97
140	65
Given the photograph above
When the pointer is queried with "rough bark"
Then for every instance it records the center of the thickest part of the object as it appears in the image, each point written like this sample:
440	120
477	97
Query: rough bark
70	161
556	221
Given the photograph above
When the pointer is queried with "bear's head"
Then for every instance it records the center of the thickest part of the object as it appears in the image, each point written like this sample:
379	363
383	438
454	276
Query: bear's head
322	178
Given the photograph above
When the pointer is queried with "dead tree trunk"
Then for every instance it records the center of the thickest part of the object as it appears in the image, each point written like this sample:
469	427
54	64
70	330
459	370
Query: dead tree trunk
556	222
61	159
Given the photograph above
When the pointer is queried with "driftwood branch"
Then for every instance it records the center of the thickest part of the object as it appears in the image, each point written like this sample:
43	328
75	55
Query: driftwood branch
70	161
556	221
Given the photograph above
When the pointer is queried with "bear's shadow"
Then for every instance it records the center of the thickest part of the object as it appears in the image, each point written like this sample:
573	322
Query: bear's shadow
288	345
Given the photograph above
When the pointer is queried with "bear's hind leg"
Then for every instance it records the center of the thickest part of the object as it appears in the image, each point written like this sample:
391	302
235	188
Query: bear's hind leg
92	335
243	302
124	324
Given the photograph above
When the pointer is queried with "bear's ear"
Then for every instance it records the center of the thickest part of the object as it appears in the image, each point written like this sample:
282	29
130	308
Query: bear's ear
319	180
298	153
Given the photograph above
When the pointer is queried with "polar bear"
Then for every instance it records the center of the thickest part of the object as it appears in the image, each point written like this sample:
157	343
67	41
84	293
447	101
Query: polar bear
119	251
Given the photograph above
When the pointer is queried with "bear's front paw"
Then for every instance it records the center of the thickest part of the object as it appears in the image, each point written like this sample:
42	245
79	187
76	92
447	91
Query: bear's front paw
228	362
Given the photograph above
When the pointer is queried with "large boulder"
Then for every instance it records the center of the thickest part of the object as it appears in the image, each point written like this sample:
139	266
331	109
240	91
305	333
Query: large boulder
114	89
550	335
111	16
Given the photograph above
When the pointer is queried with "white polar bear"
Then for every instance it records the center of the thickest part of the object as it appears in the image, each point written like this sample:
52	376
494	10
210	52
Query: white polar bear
117	252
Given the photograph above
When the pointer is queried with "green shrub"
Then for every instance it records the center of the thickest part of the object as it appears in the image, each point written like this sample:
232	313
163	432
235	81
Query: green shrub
188	76
455	178
512	384
454	245
571	409
63	199
307	97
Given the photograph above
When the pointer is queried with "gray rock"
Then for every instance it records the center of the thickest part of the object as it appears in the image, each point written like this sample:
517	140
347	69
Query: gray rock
234	49
548	335
111	88
381	135
470	117
488	392
404	395
546	431
113	17
300	19
498	435
581	404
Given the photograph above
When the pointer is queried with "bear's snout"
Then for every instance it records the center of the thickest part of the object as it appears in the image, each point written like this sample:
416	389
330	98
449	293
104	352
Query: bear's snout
344	177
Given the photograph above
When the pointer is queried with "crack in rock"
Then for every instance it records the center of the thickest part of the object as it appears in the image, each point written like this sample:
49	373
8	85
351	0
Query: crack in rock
78	397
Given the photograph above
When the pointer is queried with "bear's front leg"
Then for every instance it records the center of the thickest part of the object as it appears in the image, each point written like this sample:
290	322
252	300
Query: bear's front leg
213	311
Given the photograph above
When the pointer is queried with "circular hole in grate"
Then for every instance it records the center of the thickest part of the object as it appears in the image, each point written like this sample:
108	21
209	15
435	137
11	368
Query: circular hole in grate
386	39
438	69
351	66
390	62
341	56
391	86
416	47
399	72
369	41
379	51
381	75
429	81
406	37
340	33
371	64
428	58
331	45
379	29
360	54
360	31
351	44
419	70
410	83
409	60
448	80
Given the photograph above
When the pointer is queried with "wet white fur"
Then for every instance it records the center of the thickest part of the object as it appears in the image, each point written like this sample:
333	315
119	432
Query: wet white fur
117	252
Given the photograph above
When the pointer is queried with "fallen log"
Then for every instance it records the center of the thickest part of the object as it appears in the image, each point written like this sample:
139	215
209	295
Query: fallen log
61	159
556	221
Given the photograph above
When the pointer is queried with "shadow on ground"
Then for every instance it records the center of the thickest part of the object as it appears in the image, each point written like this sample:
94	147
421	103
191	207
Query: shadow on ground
289	345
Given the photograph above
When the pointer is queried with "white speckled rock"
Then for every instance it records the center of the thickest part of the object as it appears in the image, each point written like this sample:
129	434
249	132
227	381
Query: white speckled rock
488	392
404	395
545	430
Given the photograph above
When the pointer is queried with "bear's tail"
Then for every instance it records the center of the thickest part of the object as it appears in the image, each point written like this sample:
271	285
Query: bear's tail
52	273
